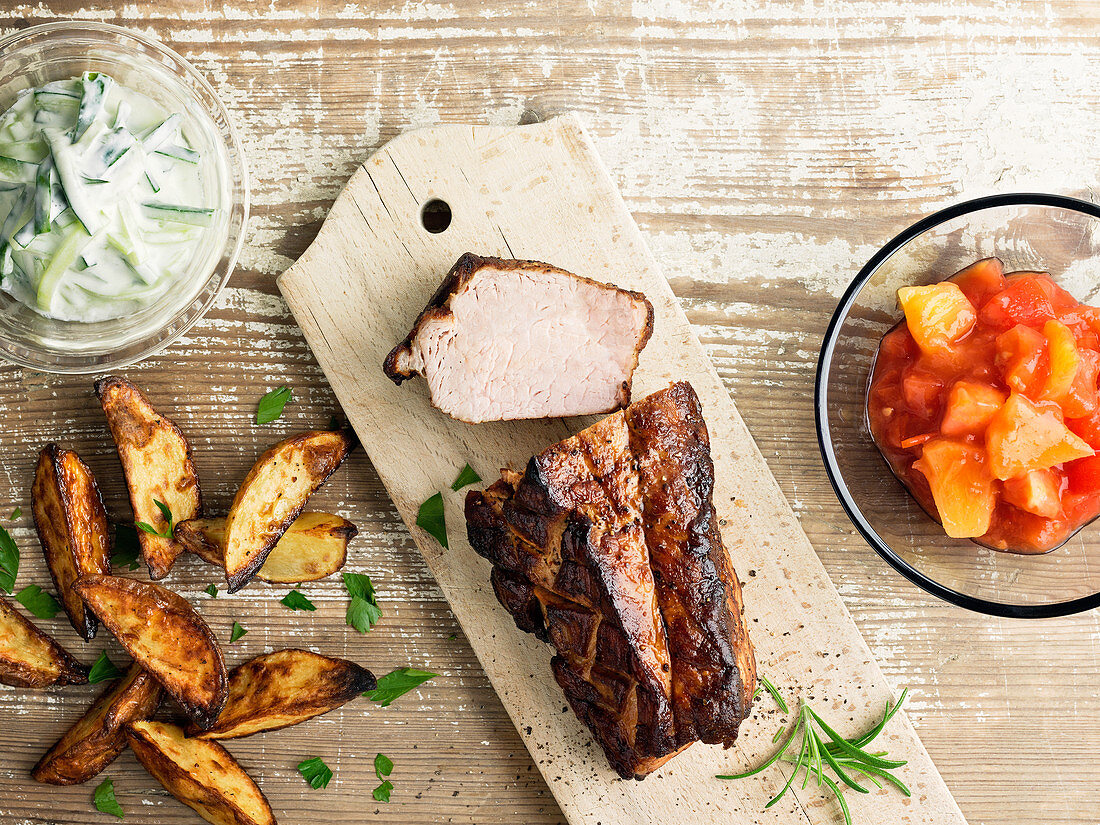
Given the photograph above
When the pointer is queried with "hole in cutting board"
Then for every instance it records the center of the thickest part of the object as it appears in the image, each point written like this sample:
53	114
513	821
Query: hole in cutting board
435	215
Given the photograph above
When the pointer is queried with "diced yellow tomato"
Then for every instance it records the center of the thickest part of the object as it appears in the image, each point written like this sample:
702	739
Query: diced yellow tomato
937	315
1064	360
1023	436
962	486
970	406
1037	491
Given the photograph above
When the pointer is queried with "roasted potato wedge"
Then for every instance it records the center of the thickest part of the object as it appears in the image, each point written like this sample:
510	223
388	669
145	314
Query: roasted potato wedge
98	737
314	546
72	527
283	688
273	494
164	634
156	459
30	658
200	774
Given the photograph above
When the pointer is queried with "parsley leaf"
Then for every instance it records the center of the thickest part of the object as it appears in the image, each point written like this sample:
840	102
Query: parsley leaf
466	477
315	772
382	792
126	547
104	798
212	591
103	669
397	683
38	601
383	766
167	514
363	610
271	405
296	601
236	632
431	519
9	561
16	513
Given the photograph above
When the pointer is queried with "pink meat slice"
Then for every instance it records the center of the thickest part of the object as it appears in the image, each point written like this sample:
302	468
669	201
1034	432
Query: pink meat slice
504	339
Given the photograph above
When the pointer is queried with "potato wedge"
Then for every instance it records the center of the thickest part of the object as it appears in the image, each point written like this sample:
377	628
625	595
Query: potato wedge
164	634
72	527
30	658
273	494
314	546
98	737
156	459
200	774
283	688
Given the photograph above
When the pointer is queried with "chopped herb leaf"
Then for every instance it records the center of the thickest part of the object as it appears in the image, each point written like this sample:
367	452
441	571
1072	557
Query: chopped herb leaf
383	766
363	610
397	683
104	799
38	601
102	670
126	547
236	632
296	601
16	513
431	519
271	405
167	514
466	477
382	792
334	423
9	561
315	772
212	591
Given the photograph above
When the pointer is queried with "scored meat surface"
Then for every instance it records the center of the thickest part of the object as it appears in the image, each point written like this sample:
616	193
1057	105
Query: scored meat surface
503	340
607	546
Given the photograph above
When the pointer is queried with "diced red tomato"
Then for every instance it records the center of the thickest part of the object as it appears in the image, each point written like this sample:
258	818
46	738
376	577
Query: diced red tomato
992	418
1023	359
981	280
1023	301
1036	491
962	487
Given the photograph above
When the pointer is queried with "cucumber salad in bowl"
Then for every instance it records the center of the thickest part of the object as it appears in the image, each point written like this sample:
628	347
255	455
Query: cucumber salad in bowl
101	199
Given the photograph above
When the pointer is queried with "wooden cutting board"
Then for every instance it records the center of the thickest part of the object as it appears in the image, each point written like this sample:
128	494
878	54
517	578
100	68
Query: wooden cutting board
541	192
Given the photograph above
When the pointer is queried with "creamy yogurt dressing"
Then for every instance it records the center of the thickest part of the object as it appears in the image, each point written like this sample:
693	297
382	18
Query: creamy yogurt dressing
101	199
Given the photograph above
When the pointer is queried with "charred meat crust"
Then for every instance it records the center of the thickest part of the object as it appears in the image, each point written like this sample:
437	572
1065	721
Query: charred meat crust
189	663
464	268
72	528
17	667
120	400
270	687
652	469
320	461
96	739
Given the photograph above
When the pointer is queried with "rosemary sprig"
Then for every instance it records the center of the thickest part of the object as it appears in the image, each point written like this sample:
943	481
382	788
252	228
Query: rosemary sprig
822	747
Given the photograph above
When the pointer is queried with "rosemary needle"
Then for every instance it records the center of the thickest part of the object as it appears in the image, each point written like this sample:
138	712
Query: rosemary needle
775	694
822	747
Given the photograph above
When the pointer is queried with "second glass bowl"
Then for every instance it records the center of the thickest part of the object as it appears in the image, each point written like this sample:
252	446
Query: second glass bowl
1052	233
58	51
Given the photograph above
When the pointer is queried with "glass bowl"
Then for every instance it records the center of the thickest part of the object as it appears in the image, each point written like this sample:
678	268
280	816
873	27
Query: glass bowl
57	51
1056	234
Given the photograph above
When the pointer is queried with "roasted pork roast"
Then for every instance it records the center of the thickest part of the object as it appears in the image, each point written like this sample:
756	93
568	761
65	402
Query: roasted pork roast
503	340
607	546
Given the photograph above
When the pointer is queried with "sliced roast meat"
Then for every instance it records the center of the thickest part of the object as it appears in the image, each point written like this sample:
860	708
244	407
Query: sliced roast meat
503	340
608	548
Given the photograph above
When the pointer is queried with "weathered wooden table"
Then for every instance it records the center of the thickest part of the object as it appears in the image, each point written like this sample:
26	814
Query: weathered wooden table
766	151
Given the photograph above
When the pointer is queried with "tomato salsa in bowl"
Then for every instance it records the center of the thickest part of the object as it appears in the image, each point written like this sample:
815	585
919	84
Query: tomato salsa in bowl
959	414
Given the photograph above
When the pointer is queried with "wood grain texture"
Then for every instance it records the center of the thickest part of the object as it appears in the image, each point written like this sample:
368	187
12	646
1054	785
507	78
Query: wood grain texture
539	192
766	150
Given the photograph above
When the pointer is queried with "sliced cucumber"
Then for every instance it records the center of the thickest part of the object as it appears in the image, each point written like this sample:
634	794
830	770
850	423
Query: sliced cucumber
161	133
19	215
43	196
60	103
77	192
191	215
177	152
15	169
63	258
94	87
